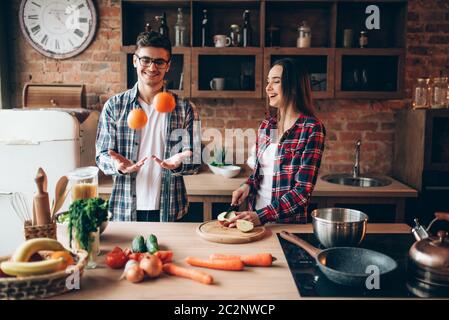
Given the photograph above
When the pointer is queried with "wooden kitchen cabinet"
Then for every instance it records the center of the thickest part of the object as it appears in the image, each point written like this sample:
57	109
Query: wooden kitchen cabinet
376	71
421	158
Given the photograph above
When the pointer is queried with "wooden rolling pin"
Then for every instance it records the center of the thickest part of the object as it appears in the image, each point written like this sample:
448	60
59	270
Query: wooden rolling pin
41	202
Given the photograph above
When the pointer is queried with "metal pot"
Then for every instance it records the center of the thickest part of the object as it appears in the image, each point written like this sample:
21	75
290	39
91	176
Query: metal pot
429	255
339	227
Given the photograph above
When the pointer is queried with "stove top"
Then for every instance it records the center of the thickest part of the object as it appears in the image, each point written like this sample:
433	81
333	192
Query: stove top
312	283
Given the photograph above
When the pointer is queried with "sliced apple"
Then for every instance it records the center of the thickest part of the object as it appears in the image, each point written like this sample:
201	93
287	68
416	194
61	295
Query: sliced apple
226	216
245	225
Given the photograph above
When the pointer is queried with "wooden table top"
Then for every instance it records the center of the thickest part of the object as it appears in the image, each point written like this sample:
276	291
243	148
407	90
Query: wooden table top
271	283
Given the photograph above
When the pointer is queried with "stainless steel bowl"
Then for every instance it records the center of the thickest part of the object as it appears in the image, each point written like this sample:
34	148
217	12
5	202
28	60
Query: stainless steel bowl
339	227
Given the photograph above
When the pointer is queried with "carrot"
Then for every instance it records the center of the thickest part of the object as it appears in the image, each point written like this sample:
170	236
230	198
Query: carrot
165	256
219	256
230	265
256	260
192	274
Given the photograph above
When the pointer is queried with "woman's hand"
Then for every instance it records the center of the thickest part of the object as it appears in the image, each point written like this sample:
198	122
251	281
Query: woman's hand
239	195
245	215
124	165
173	162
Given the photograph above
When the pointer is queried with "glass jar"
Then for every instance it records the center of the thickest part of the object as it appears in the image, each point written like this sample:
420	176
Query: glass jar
236	37
421	94
363	39
439	93
304	36
84	182
93	249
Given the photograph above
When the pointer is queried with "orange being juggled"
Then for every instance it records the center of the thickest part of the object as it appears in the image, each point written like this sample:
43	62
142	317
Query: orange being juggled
164	102
137	119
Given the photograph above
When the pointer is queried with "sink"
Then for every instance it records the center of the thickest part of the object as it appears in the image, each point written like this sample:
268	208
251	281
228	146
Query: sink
360	181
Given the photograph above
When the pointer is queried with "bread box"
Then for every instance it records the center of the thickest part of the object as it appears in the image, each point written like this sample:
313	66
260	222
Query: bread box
54	96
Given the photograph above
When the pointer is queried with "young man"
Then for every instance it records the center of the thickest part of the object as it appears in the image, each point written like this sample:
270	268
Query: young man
150	190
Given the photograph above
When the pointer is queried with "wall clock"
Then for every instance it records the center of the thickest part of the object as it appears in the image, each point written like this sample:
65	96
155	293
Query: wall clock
59	29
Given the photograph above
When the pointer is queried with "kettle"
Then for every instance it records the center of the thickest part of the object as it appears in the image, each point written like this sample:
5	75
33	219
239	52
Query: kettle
429	255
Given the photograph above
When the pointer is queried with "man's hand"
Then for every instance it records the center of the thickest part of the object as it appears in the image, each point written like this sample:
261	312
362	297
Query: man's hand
245	215
173	162
125	165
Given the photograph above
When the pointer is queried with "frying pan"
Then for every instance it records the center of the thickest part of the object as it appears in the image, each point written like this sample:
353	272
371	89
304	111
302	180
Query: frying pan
345	265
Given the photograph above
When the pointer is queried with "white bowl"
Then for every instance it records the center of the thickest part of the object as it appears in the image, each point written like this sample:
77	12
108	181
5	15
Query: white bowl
228	171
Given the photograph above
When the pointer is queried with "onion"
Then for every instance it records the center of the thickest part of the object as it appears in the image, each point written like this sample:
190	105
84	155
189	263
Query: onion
128	265
134	274
152	266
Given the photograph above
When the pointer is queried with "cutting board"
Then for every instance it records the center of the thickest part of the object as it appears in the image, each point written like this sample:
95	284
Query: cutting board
214	232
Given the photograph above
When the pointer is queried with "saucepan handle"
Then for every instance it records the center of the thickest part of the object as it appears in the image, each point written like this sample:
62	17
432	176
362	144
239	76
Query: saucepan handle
300	243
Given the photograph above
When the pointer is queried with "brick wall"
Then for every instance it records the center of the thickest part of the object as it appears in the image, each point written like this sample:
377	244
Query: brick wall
346	120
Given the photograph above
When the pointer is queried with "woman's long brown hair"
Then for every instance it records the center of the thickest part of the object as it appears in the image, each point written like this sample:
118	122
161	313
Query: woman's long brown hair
296	89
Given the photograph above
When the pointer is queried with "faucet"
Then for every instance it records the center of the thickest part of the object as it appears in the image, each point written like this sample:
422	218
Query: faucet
356	168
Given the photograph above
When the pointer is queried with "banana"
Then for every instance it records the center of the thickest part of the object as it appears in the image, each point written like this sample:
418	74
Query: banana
24	269
30	247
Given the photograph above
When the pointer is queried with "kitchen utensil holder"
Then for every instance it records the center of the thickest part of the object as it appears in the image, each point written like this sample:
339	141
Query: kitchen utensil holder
43	231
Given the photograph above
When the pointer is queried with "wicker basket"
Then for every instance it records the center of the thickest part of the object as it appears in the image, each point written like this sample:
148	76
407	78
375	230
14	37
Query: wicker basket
43	231
42	286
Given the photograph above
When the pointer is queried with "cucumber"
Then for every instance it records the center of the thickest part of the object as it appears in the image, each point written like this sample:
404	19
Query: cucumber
138	244
152	245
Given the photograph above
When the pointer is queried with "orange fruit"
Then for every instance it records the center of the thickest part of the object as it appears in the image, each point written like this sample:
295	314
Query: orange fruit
66	256
164	102
137	119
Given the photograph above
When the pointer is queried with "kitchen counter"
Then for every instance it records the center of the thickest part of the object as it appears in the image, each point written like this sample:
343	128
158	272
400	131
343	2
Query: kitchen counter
271	283
209	188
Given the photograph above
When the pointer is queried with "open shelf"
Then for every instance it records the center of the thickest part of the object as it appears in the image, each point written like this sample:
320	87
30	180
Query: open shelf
221	14
330	65
319	63
369	73
288	15
391	34
136	14
241	69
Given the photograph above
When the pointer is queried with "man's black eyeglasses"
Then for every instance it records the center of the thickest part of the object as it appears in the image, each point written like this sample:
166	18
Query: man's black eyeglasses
147	61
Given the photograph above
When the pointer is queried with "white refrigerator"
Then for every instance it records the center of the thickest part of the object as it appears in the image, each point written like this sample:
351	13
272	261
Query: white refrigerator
58	140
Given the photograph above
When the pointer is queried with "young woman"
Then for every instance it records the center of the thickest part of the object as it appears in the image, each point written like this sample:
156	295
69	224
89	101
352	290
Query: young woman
289	148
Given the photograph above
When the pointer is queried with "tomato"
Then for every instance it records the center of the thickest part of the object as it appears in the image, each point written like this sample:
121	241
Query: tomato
117	249
116	260
127	252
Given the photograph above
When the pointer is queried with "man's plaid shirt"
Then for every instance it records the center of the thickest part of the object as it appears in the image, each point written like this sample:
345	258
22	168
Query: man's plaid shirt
114	134
296	164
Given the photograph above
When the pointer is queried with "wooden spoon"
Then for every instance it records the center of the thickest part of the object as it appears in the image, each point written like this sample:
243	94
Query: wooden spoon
60	195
